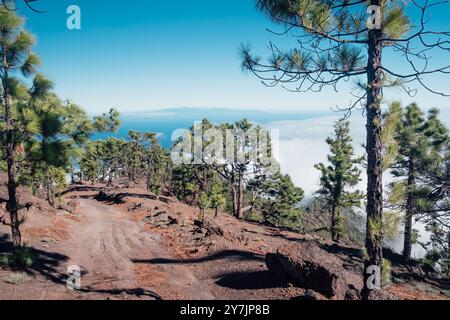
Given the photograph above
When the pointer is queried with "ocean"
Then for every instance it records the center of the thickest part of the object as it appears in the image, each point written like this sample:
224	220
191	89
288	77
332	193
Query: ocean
165	121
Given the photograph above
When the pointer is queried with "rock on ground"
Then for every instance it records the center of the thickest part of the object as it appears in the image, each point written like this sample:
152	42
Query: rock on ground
308	266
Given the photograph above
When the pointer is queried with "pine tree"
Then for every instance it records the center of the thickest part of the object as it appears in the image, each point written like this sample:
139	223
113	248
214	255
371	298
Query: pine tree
16	58
157	166
419	140
113	157
336	41
341	174
281	200
433	205
64	130
432	194
245	167
218	197
48	155
184	184
54	179
204	203
107	122
79	128
134	154
235	171
90	163
239	167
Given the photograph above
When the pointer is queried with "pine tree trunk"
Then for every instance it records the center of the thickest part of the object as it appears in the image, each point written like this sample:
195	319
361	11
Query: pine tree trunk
148	175
110	178
338	233
72	176
102	180
407	246
334	224
235	198
12	205
50	197
131	178
240	200
50	194
374	237
13	202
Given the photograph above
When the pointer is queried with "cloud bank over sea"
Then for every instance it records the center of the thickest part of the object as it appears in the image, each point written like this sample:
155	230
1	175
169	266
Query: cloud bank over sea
302	145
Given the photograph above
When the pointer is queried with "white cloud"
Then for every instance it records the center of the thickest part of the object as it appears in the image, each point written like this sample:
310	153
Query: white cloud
302	145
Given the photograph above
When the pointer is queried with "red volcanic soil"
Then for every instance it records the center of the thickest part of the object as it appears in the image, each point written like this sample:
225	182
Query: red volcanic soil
131	244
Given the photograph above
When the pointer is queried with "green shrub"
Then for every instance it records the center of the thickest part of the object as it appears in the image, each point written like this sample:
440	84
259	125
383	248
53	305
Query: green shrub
26	257
25	260
6	260
255	217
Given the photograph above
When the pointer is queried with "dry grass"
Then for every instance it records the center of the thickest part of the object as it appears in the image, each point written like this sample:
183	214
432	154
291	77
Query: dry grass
15	278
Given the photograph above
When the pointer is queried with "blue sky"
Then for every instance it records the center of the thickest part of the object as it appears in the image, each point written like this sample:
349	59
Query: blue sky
151	54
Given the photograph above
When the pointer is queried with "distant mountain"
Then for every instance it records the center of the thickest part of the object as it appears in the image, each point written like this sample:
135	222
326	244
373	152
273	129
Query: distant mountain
224	114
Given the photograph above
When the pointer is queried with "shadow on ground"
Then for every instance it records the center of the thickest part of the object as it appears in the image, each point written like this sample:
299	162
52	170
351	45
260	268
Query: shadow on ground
47	264
250	280
118	198
222	255
137	292
50	264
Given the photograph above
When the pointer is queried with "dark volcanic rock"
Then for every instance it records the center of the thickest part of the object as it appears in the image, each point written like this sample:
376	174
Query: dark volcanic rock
311	295
310	267
210	226
166	200
353	293
275	266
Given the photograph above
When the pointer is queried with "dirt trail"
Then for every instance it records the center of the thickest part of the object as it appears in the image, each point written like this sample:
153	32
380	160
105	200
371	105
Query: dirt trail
104	245
105	248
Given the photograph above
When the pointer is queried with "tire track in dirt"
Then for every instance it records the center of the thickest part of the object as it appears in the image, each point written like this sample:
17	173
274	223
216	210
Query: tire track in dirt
105	245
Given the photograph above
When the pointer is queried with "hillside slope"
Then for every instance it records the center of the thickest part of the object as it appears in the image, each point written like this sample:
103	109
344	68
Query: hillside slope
131	244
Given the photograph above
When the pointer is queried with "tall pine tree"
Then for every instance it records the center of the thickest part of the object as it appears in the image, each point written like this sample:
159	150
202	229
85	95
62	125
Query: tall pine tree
339	176
420	140
335	41
16	58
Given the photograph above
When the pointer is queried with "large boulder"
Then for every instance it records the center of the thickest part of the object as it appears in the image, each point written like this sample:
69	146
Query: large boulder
308	266
211	227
